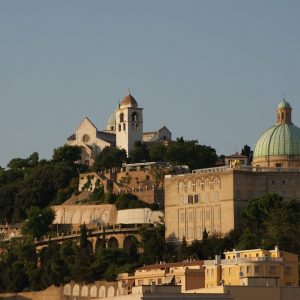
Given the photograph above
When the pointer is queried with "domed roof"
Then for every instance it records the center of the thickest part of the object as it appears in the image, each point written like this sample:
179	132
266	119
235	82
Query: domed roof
128	101
112	120
284	104
280	139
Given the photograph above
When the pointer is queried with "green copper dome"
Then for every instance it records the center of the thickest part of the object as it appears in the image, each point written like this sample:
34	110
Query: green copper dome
280	139
112	120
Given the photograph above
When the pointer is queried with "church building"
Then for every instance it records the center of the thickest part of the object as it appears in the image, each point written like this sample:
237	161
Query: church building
124	128
212	198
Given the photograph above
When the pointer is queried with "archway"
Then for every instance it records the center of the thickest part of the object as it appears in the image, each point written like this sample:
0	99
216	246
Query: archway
85	291
130	245
75	290
113	243
99	244
102	292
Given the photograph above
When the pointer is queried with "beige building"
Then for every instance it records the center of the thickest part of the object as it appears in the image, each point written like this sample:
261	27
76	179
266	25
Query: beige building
212	198
124	128
188	275
255	267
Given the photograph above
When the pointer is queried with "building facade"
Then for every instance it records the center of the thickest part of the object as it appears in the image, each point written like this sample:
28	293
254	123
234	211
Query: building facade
212	198
124	128
255	267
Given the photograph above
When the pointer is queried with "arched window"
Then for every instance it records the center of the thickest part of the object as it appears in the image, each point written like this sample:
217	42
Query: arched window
134	117
282	116
124	126
119	127
121	117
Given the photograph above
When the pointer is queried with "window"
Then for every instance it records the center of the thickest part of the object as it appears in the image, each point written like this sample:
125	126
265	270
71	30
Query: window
256	269
137	127
206	197
288	271
121	118
181	199
283	182
273	182
134	117
181	217
248	269
159	281
124	126
190	199
206	183
272	270
216	196
196	198
278	165
119	127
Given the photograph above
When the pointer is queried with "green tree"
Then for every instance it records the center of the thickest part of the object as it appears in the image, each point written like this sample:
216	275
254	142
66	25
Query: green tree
247	152
67	154
110	159
139	153
158	152
38	222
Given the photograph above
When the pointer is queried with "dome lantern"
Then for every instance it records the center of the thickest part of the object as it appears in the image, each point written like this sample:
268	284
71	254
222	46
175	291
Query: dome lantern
284	113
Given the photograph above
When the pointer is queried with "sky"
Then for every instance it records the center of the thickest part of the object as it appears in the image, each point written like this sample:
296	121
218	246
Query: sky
209	70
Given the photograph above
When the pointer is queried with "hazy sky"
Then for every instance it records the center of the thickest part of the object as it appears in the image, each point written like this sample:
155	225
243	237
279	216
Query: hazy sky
208	70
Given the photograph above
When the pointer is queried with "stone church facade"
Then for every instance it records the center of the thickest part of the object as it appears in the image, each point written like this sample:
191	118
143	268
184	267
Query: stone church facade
124	128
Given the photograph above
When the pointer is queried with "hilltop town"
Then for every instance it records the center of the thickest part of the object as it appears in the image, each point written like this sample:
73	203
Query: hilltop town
120	213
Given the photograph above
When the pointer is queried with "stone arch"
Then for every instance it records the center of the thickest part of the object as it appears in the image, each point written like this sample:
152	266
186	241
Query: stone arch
86	217
113	243
96	216
58	216
206	183
67	290
111	291
75	290
85	291
121	117
130	245
102	292
105	217
134	117
67	217
93	291
76	217
217	182
198	183
180	186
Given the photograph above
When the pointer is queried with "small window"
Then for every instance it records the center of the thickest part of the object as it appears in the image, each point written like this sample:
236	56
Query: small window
283	182
119	127
272	270
190	199
196	198
256	269
278	165
159	281
124	126
121	118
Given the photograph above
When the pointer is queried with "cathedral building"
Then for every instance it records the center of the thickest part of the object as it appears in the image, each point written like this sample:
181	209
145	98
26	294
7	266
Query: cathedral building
212	198
124	128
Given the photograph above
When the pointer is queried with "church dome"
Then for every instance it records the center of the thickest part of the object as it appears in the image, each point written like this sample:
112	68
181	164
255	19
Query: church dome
280	144
112	120
283	139
128	101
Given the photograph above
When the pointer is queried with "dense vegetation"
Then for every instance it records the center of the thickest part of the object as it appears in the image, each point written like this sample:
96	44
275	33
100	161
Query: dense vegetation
33	182
28	186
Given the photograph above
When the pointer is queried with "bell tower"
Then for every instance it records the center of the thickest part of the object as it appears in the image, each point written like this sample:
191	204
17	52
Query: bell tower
129	123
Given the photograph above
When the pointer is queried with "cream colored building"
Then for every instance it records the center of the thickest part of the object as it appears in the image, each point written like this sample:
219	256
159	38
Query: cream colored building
255	267
124	128
212	198
189	275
